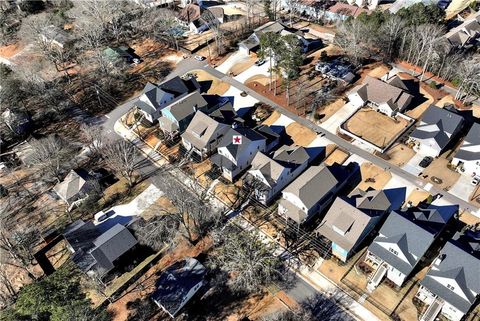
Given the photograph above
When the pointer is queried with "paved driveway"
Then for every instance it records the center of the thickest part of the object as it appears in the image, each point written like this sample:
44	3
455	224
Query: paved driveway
463	188
412	166
332	123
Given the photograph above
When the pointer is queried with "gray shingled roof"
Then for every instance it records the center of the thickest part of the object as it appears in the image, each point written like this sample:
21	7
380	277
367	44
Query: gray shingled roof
70	187
186	106
110	245
202	129
316	182
248	135
353	214
460	262
413	231
378	91
470	149
176	282
439	124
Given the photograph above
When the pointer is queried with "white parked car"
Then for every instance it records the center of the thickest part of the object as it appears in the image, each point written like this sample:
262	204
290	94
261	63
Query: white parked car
476	180
199	58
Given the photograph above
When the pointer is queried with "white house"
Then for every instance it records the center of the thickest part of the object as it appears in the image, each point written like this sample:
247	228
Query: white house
452	284
271	175
203	135
436	129
404	239
236	151
467	158
314	190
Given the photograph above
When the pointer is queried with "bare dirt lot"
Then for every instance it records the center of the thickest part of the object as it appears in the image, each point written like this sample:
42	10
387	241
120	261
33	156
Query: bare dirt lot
300	134
337	156
212	83
438	170
399	154
373	177
375	127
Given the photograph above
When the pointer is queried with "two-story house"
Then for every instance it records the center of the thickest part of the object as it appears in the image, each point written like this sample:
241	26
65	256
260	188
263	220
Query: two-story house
314	190
203	135
351	219
154	98
452	284
403	241
467	158
236	151
436	129
270	175
177	115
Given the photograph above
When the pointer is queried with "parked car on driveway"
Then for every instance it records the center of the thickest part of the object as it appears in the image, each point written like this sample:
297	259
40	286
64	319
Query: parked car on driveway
199	58
427	160
260	62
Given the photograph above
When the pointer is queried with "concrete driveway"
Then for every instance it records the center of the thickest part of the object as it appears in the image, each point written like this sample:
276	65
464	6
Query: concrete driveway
412	166
231	61
463	188
332	123
254	71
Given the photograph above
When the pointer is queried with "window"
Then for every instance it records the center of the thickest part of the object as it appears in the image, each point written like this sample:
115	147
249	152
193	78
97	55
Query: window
393	251
451	288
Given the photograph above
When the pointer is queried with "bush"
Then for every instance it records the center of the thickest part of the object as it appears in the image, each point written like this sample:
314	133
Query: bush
433	85
316	116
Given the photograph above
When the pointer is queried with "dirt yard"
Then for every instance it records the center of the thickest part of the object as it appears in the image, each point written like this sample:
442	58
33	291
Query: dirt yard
300	134
417	196
327	111
417	111
243	65
272	118
373	177
438	168
215	85
375	127
399	154
338	156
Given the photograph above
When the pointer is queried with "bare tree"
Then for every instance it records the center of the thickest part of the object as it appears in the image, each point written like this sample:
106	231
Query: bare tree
390	32
250	262
469	78
51	155
17	249
94	137
8	293
317	307
191	210
157	232
352	37
122	157
214	25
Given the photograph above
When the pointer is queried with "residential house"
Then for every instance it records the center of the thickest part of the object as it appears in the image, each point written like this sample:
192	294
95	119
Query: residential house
465	34
467	158
96	253
178	284
270	175
74	187
237	149
273	134
452	284
371	4
177	115
17	121
154	98
203	135
226	114
351	219
153	3
343	11
314	190
198	19
252	43
388	97
53	35
125	54
404	239
436	129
